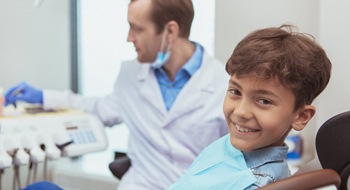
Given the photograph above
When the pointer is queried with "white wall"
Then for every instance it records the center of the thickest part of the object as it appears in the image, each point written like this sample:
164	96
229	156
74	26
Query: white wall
34	47
35	43
236	18
335	37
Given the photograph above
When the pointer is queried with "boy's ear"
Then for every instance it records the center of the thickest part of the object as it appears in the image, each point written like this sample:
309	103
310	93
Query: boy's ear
303	117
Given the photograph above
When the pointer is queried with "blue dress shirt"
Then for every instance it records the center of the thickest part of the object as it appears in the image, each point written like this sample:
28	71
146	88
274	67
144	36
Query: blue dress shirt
170	89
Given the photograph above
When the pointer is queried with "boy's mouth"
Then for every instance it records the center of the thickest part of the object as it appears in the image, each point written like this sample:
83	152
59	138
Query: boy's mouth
244	129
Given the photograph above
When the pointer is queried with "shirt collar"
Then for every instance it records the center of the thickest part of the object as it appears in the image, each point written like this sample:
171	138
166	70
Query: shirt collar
195	61
193	64
261	156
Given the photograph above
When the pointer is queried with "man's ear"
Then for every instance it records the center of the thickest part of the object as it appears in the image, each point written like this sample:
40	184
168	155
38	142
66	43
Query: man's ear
303	116
172	30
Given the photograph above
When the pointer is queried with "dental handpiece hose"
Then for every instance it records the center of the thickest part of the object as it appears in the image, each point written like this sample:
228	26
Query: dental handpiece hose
1	173
16	178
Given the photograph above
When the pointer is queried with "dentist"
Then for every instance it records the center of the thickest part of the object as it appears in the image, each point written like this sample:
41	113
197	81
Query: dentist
170	97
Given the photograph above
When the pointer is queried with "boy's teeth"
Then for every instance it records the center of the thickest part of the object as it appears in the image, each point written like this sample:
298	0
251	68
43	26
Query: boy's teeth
241	129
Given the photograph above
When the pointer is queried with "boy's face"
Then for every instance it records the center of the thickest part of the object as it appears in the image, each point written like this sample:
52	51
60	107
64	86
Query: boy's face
260	113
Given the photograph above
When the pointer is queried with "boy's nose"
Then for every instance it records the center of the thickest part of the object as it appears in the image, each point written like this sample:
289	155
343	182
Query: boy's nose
243	110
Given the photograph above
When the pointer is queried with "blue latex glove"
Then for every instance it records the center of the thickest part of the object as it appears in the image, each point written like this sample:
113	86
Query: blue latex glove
23	92
43	185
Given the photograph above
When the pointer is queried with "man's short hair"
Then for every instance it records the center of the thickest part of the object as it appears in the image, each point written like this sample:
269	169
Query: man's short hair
180	11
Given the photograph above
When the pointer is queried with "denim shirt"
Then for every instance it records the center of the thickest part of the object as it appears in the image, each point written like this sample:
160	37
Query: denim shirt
267	164
222	166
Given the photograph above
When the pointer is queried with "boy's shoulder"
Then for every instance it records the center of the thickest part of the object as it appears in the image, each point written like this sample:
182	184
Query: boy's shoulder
217	152
217	147
216	159
268	164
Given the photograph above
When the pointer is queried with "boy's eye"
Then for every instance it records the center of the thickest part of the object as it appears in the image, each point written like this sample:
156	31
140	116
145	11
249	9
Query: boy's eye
235	92
264	101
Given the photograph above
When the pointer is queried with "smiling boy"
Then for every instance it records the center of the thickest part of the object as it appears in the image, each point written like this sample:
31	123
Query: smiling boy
275	76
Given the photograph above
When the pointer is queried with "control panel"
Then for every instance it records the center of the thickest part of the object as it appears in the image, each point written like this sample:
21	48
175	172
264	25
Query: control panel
34	137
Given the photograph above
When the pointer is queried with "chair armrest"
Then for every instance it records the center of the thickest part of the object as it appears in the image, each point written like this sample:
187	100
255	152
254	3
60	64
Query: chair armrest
306	181
119	166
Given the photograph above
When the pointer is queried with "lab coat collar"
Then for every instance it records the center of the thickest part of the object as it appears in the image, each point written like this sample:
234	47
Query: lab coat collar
149	87
195	93
198	89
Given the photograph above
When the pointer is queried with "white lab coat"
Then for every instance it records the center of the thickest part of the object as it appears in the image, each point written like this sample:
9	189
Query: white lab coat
162	144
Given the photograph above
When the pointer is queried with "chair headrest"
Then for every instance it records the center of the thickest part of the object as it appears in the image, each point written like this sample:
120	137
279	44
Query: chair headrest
333	144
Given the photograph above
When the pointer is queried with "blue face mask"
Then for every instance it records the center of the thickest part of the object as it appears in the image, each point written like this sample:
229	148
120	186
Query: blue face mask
162	56
161	59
